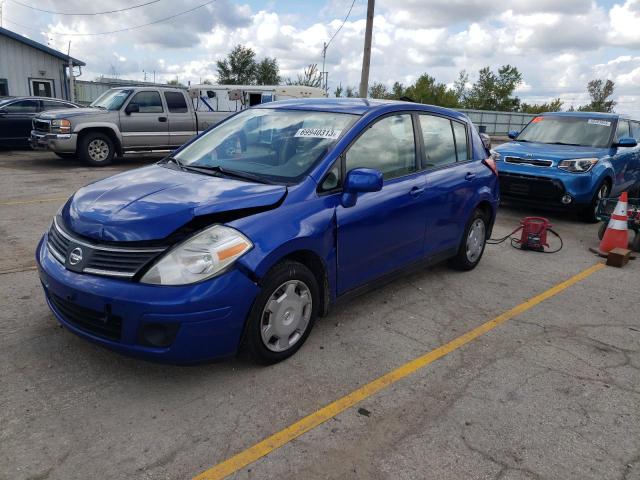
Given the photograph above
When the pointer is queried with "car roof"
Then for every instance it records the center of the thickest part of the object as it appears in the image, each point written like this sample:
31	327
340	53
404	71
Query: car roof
13	99
587	114
357	106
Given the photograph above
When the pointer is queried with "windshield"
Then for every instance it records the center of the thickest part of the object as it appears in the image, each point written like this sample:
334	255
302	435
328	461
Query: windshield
276	145
578	131
112	99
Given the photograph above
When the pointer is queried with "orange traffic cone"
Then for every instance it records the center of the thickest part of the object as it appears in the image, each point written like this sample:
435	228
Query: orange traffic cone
616	234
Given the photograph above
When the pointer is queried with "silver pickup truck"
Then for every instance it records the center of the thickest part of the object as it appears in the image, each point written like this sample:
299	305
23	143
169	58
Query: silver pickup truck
122	120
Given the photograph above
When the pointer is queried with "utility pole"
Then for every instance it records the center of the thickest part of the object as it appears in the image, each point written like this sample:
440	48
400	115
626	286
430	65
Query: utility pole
325	75
366	57
72	92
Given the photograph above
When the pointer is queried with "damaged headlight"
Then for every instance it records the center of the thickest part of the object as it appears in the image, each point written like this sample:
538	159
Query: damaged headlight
61	126
578	165
200	257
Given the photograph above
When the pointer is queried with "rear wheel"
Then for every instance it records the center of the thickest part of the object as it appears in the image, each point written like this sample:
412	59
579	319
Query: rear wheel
96	149
283	314
590	211
473	242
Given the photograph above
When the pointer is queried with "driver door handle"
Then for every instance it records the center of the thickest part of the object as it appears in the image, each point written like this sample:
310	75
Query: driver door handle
417	191
470	176
162	119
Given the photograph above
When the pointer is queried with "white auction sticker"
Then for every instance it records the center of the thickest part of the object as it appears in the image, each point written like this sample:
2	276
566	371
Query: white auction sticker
604	123
318	133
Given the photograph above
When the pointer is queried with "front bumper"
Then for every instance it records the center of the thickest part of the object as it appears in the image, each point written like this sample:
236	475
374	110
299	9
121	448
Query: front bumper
545	186
55	142
207	318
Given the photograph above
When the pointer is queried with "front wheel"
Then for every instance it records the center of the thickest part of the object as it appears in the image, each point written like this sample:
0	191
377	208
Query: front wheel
473	242
96	149
589	213
283	314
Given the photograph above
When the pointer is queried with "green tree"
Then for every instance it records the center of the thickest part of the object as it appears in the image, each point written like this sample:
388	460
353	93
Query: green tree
397	91
495	91
599	91
338	91
238	68
311	77
427	90
175	82
460	86
553	106
378	90
351	92
267	72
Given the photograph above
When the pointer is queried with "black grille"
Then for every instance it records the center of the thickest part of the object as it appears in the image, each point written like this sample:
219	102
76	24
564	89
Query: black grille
41	125
529	161
99	259
529	186
102	324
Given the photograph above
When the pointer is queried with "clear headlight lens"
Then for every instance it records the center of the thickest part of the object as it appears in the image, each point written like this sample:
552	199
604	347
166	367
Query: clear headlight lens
61	126
200	257
578	165
495	155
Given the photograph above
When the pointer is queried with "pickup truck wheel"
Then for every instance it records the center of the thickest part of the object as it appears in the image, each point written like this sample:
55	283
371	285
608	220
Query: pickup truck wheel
66	156
96	149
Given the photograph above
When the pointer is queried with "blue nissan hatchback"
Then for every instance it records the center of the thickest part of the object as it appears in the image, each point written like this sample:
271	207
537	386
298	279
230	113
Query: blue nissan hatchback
248	232
571	160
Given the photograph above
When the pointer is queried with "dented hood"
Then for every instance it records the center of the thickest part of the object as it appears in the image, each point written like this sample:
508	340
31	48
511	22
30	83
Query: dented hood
152	202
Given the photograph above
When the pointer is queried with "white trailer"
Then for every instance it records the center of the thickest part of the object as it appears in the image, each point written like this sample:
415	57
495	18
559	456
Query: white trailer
233	98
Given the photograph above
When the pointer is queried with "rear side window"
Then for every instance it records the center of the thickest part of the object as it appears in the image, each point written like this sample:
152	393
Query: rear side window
4	87
23	106
175	102
460	134
388	146
49	105
439	143
149	102
635	130
623	129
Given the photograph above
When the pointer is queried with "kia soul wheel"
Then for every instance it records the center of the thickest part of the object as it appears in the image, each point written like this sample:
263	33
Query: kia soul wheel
283	313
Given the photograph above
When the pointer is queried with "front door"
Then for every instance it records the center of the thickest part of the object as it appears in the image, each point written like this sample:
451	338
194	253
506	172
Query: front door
384	230
42	88
148	128
15	122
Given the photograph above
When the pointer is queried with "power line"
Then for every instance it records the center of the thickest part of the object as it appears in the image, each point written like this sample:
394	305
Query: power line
83	14
343	22
122	29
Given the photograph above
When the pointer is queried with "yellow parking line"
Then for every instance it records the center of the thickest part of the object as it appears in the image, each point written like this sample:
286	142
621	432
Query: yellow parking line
41	200
277	440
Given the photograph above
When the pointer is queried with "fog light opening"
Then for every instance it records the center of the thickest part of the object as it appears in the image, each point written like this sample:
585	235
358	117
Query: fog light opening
158	334
566	199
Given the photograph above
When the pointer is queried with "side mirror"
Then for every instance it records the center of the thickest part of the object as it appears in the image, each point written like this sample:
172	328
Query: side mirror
132	108
513	134
626	142
486	140
360	180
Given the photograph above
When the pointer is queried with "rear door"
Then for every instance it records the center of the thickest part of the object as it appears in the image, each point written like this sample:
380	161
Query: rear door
149	127
15	121
384	230
182	124
450	176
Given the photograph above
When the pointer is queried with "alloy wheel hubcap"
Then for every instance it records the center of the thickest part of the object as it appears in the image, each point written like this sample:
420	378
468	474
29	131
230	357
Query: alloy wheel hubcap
286	316
98	150
475	240
602	193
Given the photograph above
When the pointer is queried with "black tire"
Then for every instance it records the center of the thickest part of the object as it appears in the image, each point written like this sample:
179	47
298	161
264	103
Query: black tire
463	261
635	243
588	213
96	149
259	318
66	156
602	229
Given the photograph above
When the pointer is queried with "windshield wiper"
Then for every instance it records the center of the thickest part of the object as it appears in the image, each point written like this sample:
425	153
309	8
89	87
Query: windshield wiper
563	143
227	172
171	159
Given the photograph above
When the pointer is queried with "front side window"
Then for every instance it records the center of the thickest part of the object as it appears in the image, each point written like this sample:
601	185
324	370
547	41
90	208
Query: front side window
387	146
149	102
276	145
623	129
23	106
175	102
579	131
439	144
635	130
112	99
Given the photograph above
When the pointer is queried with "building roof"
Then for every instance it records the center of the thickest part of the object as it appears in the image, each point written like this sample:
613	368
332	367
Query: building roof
40	46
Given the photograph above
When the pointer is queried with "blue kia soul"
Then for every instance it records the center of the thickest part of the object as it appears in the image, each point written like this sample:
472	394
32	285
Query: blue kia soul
247	233
571	160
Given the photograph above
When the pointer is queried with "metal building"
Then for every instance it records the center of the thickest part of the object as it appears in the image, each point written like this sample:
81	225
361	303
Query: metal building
31	68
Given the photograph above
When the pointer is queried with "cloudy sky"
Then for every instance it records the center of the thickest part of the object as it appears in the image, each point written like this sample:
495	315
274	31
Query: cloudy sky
558	45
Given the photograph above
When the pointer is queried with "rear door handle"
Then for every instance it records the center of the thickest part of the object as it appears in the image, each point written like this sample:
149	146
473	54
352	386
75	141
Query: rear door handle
162	119
417	191
470	176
